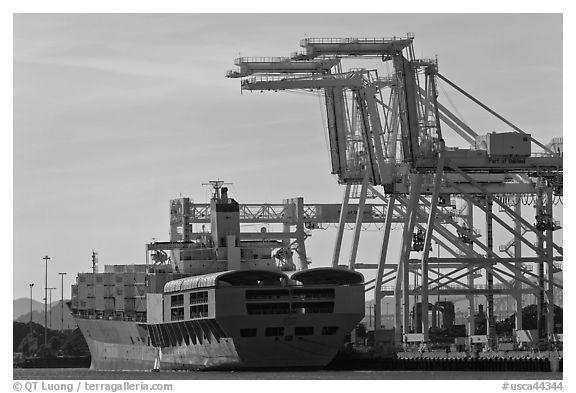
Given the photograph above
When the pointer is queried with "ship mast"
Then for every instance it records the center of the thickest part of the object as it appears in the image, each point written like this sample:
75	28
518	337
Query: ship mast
216	186
94	262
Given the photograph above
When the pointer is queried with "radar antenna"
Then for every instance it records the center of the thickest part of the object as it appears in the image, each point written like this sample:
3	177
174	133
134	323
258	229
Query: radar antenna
216	186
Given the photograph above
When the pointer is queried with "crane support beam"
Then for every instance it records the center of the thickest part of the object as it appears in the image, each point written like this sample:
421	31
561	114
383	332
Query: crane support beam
382	262
408	108
461	291
440	285
496	257
341	222
382	164
520	279
255	65
358	224
507	209
500	221
460	127
456	129
453	239
472	160
351	81
481	260
336	117
427	242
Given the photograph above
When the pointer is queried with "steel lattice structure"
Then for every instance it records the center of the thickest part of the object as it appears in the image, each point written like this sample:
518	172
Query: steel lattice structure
386	136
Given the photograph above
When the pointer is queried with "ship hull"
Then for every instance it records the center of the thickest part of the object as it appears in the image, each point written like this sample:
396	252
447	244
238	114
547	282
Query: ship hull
111	348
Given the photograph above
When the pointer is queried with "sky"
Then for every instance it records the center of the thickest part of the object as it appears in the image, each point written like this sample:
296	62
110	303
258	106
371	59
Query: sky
116	114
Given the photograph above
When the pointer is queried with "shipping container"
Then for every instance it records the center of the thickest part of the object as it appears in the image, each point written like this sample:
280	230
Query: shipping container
109	291
140	290
129	291
119	303
129	278
129	304
83	291
109	304
99	291
508	144
140	304
86	278
140	278
109	278
99	303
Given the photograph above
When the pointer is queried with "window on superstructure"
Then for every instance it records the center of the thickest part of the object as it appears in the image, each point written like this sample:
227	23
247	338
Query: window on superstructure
199	311
99	279
248	332
329	330
266	294
177	314
313	293
177	300
274	331
268	308
199	297
304	331
118	279
313	307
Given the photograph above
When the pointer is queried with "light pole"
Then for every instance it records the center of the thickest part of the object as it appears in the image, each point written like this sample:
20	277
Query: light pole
438	301
386	313
46	259
62	285
370	316
50	289
31	285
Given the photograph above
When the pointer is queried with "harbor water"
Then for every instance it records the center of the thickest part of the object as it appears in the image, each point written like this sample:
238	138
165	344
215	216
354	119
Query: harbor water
87	374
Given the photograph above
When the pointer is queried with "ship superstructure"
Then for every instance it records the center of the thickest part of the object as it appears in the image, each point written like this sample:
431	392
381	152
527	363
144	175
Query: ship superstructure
211	300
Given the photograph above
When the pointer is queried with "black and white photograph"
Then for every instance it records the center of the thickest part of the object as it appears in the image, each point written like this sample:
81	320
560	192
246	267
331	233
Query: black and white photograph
287	196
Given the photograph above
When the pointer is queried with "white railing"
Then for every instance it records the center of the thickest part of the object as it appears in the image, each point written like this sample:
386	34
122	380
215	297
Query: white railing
356	40
241	60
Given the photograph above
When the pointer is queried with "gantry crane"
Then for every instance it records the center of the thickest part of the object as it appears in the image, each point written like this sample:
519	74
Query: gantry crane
398	144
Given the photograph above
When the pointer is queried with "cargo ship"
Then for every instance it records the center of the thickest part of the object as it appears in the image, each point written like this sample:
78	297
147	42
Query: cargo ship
212	300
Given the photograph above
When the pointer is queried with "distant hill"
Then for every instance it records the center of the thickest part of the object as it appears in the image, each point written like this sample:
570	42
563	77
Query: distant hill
38	316
70	342
22	306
